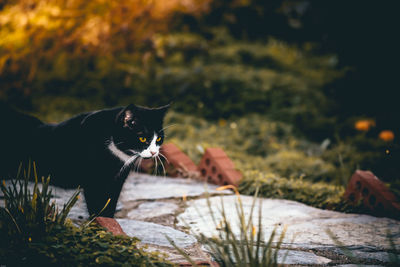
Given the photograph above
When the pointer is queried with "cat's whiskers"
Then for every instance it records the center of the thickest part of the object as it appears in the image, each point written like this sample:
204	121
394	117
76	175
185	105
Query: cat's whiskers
170	125
127	164
162	165
136	166
140	164
156	167
162	155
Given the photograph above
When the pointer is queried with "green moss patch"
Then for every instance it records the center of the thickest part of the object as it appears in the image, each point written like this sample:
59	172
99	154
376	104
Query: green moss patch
72	246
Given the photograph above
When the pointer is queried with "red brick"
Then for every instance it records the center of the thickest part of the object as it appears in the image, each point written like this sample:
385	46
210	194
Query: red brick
215	152
177	161
111	224
225	163
170	149
375	195
232	177
216	167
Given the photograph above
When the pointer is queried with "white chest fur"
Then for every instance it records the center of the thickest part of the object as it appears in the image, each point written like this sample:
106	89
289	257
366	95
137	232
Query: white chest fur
118	153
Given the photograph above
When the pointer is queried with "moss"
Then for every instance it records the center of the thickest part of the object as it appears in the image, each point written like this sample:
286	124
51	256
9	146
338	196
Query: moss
72	246
316	194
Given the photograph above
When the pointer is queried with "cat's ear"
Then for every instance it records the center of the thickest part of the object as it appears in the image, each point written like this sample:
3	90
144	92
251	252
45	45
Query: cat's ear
126	117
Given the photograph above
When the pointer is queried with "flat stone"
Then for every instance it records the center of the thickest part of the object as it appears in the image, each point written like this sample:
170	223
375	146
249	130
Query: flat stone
155	234
300	257
380	255
150	210
363	252
307	226
288	256
146	187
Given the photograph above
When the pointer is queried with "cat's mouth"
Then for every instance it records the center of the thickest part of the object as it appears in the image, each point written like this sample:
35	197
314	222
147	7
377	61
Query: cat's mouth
148	157
132	153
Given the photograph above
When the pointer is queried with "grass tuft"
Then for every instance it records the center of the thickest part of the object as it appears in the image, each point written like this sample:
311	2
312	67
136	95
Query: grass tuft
28	215
248	248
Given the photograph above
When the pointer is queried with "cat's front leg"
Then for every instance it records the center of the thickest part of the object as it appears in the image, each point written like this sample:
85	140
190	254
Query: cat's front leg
97	196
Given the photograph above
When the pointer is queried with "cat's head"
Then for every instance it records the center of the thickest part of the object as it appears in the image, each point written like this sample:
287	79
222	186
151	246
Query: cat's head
140	130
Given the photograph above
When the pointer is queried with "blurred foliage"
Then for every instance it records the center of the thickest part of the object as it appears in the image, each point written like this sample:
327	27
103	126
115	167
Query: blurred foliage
258	143
46	45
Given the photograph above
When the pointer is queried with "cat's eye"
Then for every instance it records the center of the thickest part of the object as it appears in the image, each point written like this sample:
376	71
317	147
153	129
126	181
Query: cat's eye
158	139
142	139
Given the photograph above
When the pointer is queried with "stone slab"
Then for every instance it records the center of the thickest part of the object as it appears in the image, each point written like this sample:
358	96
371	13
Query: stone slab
364	253
147	187
150	210
307	226
300	257
155	234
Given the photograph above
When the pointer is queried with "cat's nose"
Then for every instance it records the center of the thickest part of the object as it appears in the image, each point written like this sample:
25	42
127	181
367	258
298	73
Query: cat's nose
153	153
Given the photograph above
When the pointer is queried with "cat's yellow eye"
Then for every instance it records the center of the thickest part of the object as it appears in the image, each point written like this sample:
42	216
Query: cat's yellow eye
159	139
142	139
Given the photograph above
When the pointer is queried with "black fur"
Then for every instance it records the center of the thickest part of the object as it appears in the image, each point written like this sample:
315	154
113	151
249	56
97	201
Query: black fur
75	152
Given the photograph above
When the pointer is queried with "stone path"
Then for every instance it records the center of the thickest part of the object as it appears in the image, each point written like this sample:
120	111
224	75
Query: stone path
306	226
152	207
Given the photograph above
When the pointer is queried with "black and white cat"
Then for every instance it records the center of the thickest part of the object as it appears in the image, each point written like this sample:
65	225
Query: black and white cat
95	150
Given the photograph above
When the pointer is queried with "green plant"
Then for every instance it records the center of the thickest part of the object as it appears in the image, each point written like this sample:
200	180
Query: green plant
28	215
248	249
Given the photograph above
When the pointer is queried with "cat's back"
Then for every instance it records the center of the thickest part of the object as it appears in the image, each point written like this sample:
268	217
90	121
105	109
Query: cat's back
74	138
10	117
84	123
16	137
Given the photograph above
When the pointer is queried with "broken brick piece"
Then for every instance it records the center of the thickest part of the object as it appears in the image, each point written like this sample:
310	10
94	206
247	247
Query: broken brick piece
177	162
216	167
375	195
110	224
